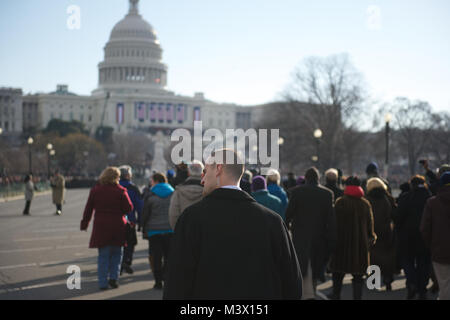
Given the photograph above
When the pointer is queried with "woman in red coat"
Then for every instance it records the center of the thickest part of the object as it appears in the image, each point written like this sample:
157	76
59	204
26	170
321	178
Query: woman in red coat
111	203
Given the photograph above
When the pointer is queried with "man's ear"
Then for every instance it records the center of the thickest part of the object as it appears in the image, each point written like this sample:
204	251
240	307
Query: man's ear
219	170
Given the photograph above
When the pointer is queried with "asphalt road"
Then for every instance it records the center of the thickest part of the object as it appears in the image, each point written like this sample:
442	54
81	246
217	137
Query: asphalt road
36	251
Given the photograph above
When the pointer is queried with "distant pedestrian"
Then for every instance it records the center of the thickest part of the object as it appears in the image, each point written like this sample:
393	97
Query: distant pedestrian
133	217
435	228
355	237
246	182
433	178
111	204
171	178
273	185
331	177
227	246
181	174
413	252
187	193
263	197
156	226
382	253
290	181
310	214
29	193
372	172
58	191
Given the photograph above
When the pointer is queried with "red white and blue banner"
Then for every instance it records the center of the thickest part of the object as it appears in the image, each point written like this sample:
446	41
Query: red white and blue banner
169	113
140	110
153	112
161	112
120	113
180	113
197	114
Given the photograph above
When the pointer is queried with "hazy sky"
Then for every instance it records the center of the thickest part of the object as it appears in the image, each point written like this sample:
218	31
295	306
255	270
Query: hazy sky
241	51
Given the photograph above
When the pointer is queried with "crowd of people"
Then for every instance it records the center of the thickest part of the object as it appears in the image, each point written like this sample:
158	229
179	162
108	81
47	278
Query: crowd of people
218	231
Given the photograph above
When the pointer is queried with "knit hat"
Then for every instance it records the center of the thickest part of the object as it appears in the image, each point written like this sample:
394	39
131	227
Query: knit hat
170	173
372	168
374	183
259	183
445	179
300	180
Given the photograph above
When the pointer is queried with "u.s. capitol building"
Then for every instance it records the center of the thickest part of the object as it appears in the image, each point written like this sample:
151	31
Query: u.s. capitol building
132	91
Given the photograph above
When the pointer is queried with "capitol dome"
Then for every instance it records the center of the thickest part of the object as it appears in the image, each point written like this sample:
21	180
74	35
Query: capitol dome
133	56
133	26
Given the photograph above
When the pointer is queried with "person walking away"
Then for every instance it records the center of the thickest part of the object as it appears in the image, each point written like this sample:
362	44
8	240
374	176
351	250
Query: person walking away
186	193
135	196
310	215
414	254
29	193
355	237
273	185
382	253
331	177
263	197
111	204
227	246
290	182
246	182
435	229
372	172
157	230
58	191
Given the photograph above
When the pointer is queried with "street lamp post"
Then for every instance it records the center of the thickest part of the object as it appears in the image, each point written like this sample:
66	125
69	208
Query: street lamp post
387	119
49	149
318	134
30	142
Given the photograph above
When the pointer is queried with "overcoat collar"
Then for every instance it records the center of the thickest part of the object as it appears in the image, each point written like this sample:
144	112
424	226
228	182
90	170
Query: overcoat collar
230	194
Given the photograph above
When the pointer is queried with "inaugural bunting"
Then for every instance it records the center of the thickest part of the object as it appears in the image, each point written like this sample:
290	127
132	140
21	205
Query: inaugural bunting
153	112
169	113
180	113
197	114
161	112
120	113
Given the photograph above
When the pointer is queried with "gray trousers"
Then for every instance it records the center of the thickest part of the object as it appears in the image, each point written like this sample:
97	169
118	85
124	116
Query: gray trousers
442	272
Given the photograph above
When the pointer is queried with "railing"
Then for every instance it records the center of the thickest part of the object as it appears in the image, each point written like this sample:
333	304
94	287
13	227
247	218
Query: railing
17	189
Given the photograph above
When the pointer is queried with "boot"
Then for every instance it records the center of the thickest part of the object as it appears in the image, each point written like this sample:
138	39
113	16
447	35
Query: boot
151	262
337	287
357	287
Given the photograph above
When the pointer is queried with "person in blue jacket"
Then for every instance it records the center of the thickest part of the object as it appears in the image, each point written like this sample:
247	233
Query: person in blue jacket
138	203
263	197
273	185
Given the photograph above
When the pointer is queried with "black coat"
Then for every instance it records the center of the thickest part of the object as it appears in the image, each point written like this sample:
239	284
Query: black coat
337	192
227	246
311	212
407	220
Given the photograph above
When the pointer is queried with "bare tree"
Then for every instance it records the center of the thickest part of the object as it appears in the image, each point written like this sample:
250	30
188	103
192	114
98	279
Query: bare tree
412	120
327	94
439	145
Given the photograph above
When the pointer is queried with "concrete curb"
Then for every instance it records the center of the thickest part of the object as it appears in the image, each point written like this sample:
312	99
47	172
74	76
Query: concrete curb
22	197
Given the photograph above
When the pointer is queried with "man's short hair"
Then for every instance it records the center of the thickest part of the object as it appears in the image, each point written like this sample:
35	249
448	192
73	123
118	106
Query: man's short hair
195	169
231	160
312	175
125	171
